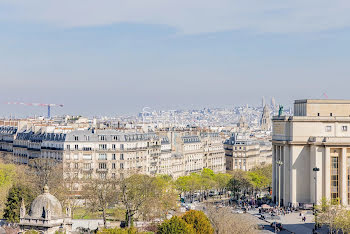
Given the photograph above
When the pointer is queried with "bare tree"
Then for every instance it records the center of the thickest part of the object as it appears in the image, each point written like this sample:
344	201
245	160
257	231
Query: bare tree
100	194
224	222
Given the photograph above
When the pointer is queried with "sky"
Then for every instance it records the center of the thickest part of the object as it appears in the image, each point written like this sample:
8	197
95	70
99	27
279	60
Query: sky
112	57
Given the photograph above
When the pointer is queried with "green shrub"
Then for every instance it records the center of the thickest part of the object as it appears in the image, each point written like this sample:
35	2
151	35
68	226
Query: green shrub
119	231
199	221
175	225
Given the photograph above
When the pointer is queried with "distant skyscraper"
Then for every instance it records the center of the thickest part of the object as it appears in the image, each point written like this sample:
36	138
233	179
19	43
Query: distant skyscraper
263	102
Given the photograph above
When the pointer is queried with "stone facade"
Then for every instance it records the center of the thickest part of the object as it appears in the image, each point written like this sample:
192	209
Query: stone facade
265	121
316	137
96	153
245	154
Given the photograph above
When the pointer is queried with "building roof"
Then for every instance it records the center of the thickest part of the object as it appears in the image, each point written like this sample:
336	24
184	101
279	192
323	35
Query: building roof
322	101
43	203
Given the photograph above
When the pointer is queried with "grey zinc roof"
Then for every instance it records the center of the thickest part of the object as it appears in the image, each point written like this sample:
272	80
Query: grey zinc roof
165	140
190	139
8	130
110	135
39	137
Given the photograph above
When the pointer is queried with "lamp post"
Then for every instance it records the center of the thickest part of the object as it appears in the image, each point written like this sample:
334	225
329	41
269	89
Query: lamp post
315	169
279	164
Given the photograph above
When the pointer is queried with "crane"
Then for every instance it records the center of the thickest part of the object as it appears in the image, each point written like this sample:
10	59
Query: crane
37	104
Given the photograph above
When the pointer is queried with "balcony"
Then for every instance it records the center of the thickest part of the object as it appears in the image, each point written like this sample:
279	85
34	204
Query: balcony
101	169
20	146
5	150
34	149
51	148
7	141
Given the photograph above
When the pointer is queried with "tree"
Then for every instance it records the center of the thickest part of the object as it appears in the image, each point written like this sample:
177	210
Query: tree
100	194
175	225
164	199
7	178
119	231
135	191
222	181
199	222
224	222
14	199
239	182
328	211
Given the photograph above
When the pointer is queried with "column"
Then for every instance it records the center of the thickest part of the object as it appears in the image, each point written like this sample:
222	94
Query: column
286	175
327	173
319	164
312	174
273	172
283	176
293	177
343	178
279	176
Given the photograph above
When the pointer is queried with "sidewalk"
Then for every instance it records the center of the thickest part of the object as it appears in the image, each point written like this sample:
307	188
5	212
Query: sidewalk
293	223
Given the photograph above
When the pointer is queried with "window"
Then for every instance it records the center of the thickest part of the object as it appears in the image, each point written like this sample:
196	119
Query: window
68	147
318	114
122	166
328	128
102	138
87	156
113	175
122	146
331	114
113	157
76	138
121	156
87	138
102	166
344	128
76	165
102	157
113	165
76	175
76	147
102	175
87	166
335	174
76	157
113	146
102	146
67	156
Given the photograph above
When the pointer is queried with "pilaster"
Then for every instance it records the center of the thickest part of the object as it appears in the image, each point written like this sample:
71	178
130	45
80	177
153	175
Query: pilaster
343	178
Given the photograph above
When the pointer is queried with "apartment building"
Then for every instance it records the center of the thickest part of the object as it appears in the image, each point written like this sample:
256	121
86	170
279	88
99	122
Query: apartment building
96	153
214	154
243	153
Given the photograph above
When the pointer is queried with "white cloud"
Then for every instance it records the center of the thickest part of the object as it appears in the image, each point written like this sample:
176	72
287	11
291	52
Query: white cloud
187	16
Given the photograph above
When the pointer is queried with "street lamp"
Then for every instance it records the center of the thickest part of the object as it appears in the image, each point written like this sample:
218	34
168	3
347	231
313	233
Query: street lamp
279	164
315	169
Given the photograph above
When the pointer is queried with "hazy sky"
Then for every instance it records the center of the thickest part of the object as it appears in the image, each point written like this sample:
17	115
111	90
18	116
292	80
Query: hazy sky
109	57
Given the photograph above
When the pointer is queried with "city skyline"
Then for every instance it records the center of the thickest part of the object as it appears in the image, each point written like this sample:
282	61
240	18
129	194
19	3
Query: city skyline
117	57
